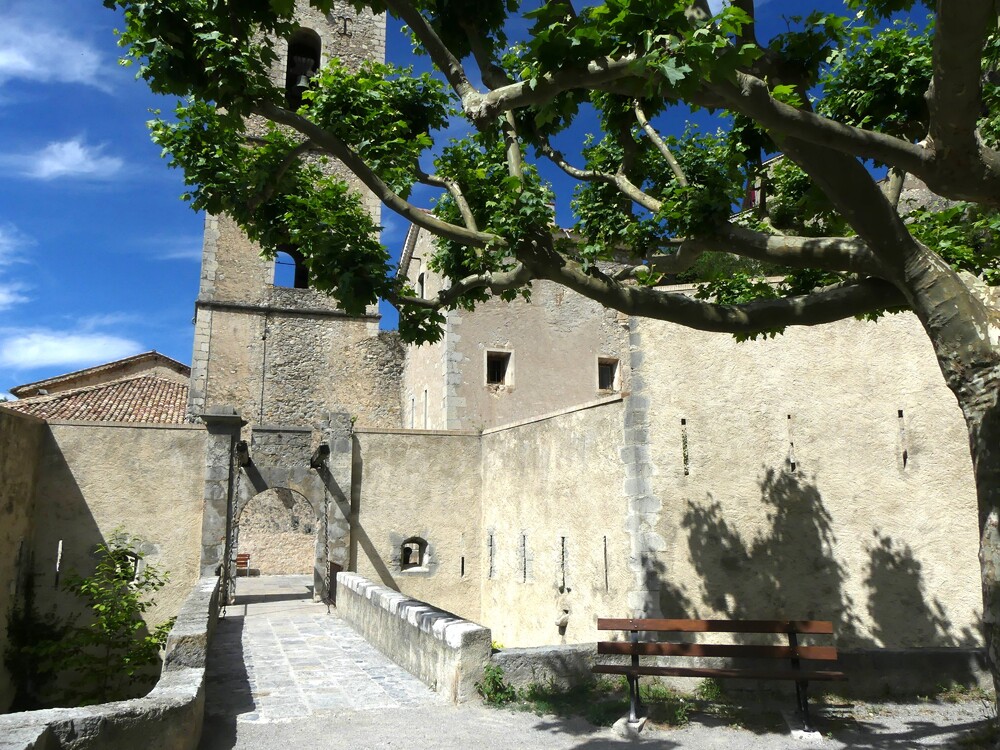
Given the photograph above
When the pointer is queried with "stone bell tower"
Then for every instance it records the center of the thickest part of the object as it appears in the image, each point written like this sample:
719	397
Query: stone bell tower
276	350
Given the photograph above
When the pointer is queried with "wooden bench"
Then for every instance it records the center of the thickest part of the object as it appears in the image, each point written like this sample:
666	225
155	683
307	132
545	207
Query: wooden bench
243	563
793	653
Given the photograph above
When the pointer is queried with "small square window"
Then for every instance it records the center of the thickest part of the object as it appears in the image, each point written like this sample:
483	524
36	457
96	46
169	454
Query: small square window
497	368
607	374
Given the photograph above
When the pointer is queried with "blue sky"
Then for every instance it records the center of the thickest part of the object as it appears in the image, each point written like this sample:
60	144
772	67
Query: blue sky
99	259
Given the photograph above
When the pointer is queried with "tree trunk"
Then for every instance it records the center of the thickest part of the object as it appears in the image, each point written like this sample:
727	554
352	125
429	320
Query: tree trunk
961	315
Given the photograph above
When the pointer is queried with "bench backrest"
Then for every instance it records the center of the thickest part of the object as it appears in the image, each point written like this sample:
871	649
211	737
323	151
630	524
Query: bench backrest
791	628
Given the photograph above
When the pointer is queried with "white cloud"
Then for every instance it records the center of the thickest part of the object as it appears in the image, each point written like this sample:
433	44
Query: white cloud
20	350
10	294
12	240
71	158
38	52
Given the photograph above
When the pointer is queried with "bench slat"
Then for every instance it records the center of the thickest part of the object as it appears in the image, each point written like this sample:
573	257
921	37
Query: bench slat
751	674
816	627
825	653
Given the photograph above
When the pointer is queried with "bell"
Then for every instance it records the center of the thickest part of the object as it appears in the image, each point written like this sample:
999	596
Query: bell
302	83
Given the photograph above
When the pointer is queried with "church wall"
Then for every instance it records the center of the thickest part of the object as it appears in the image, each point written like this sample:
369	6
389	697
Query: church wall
426	485
20	441
554	515
97	477
796	501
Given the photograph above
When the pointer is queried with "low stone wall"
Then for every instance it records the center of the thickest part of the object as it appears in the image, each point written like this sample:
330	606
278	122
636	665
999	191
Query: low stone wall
871	673
169	718
445	651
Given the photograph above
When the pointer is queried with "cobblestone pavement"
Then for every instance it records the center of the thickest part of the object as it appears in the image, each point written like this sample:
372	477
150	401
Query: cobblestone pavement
278	656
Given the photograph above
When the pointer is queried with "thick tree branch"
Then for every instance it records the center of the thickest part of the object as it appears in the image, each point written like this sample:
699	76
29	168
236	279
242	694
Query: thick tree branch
484	108
825	253
495	281
372	181
514	166
824	306
954	97
974	177
456	193
619	179
661	146
443	57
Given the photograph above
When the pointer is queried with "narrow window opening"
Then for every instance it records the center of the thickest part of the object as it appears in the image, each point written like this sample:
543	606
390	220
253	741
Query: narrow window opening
303	62
497	368
463	567
425	408
607	374
902	438
413	553
59	551
421	289
491	548
290	269
607	580
791	447
524	558
685	458
563	588
413	412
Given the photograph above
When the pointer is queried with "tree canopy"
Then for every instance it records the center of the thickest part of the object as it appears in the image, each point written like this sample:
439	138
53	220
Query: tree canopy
894	86
841	94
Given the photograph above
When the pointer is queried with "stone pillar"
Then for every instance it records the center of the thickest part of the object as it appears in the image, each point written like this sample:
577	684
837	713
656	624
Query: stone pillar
223	424
337	430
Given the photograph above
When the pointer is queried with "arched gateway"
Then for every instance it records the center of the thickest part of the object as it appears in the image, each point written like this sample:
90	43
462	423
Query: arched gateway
299	477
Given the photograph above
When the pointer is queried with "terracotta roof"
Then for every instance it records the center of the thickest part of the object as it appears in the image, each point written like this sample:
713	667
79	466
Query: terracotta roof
144	398
151	357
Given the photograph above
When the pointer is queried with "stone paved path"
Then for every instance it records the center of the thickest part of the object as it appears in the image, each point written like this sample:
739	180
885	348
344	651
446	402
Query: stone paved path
278	656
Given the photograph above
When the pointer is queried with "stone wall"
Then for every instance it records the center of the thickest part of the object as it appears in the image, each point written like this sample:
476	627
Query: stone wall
821	474
445	651
169	718
96	477
20	441
423	485
555	548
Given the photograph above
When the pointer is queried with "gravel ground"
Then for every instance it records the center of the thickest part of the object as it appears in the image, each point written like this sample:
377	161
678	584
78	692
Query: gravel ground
446	727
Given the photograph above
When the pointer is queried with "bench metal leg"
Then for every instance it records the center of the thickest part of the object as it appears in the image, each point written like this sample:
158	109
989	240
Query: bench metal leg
802	698
633	699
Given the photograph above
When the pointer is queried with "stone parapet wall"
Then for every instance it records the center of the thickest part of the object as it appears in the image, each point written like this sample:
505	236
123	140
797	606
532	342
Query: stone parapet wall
169	718
445	651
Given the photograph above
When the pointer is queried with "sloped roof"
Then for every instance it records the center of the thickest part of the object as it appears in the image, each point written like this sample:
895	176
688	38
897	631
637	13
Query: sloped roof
105	372
142	399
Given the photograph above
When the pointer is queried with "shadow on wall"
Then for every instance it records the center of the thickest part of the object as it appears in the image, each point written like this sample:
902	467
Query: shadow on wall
63	542
796	574
361	545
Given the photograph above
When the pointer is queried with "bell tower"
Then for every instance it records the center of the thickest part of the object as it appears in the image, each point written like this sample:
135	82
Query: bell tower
265	343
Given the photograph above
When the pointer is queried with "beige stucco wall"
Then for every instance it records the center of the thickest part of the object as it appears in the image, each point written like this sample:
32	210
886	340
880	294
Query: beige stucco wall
94	478
424	485
886	551
20	441
549	480
555	340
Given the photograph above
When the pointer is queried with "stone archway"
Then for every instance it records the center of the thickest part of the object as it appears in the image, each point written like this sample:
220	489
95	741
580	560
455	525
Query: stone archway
278	529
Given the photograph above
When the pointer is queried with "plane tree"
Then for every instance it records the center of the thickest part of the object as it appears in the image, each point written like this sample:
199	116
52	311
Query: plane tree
888	87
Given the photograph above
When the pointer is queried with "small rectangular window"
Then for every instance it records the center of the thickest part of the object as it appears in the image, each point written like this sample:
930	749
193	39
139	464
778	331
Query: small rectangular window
497	368
607	374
